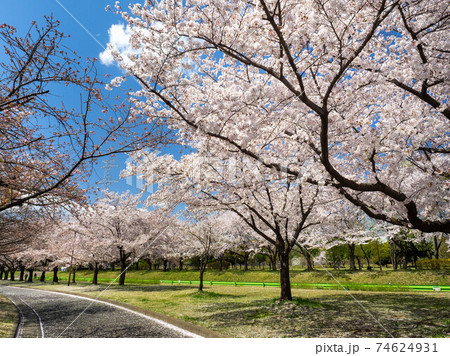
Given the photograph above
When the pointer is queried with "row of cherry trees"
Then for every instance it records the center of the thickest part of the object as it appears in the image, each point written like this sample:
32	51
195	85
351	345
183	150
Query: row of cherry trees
115	230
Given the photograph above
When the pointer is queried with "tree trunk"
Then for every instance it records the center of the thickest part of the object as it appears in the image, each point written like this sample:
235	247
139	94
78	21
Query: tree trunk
359	263
436	245
55	275
13	271
393	254
367	258
164	265
42	279
273	261
379	258
95	277
6	274
22	273
405	262
123	268
284	276
351	256
30	275
202	271
309	262
113	267
2	271
180	264
149	264
246	256
221	263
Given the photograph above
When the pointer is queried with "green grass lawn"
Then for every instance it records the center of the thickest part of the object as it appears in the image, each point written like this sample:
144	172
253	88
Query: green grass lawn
320	276
8	317
256	312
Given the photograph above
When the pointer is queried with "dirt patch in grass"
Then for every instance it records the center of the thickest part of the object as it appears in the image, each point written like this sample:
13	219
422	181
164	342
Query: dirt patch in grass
8	317
256	312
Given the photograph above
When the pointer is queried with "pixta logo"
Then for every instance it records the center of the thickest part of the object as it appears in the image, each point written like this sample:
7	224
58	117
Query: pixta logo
142	176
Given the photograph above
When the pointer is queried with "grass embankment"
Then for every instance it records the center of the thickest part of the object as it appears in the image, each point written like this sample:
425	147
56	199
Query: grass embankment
255	311
8	317
300	277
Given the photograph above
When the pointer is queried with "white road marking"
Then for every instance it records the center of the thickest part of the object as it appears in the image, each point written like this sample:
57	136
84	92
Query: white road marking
19	330
160	322
41	324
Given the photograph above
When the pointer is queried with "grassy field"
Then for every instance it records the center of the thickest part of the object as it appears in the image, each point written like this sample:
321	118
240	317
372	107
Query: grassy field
320	276
8	317
256	312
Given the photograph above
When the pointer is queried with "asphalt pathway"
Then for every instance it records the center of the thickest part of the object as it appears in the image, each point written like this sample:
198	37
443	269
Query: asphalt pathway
49	314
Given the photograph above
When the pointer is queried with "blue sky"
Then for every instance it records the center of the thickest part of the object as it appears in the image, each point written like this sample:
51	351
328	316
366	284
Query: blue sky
87	42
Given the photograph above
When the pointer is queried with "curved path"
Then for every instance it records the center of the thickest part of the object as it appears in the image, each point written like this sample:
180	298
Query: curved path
52	314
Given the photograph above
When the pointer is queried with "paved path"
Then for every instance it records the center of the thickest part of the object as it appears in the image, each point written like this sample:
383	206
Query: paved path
50	314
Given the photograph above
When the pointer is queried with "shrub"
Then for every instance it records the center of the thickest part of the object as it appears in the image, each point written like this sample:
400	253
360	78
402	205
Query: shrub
442	263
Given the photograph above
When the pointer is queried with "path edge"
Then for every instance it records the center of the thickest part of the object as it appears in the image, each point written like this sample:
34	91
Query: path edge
196	329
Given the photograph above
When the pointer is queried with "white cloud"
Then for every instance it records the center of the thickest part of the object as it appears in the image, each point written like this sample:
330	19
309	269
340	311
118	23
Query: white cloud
119	36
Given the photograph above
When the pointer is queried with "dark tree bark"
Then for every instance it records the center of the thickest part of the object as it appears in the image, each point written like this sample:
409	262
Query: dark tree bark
284	276
149	262
165	265
308	257
123	256
273	260
393	254
379	258
30	275
359	263
123	269
309	262
12	273
2	271
202	272
42	278
6	274
22	273
367	258
436	246
221	263
55	275
180	264
246	257
74	272
351	256
95	277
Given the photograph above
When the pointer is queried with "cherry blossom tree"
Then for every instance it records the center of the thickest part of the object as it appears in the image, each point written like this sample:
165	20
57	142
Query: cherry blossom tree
362	85
17	228
45	144
278	209
203	238
237	237
127	229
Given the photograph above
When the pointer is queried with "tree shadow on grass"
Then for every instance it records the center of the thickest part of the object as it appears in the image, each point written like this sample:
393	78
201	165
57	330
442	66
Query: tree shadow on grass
146	288
338	315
